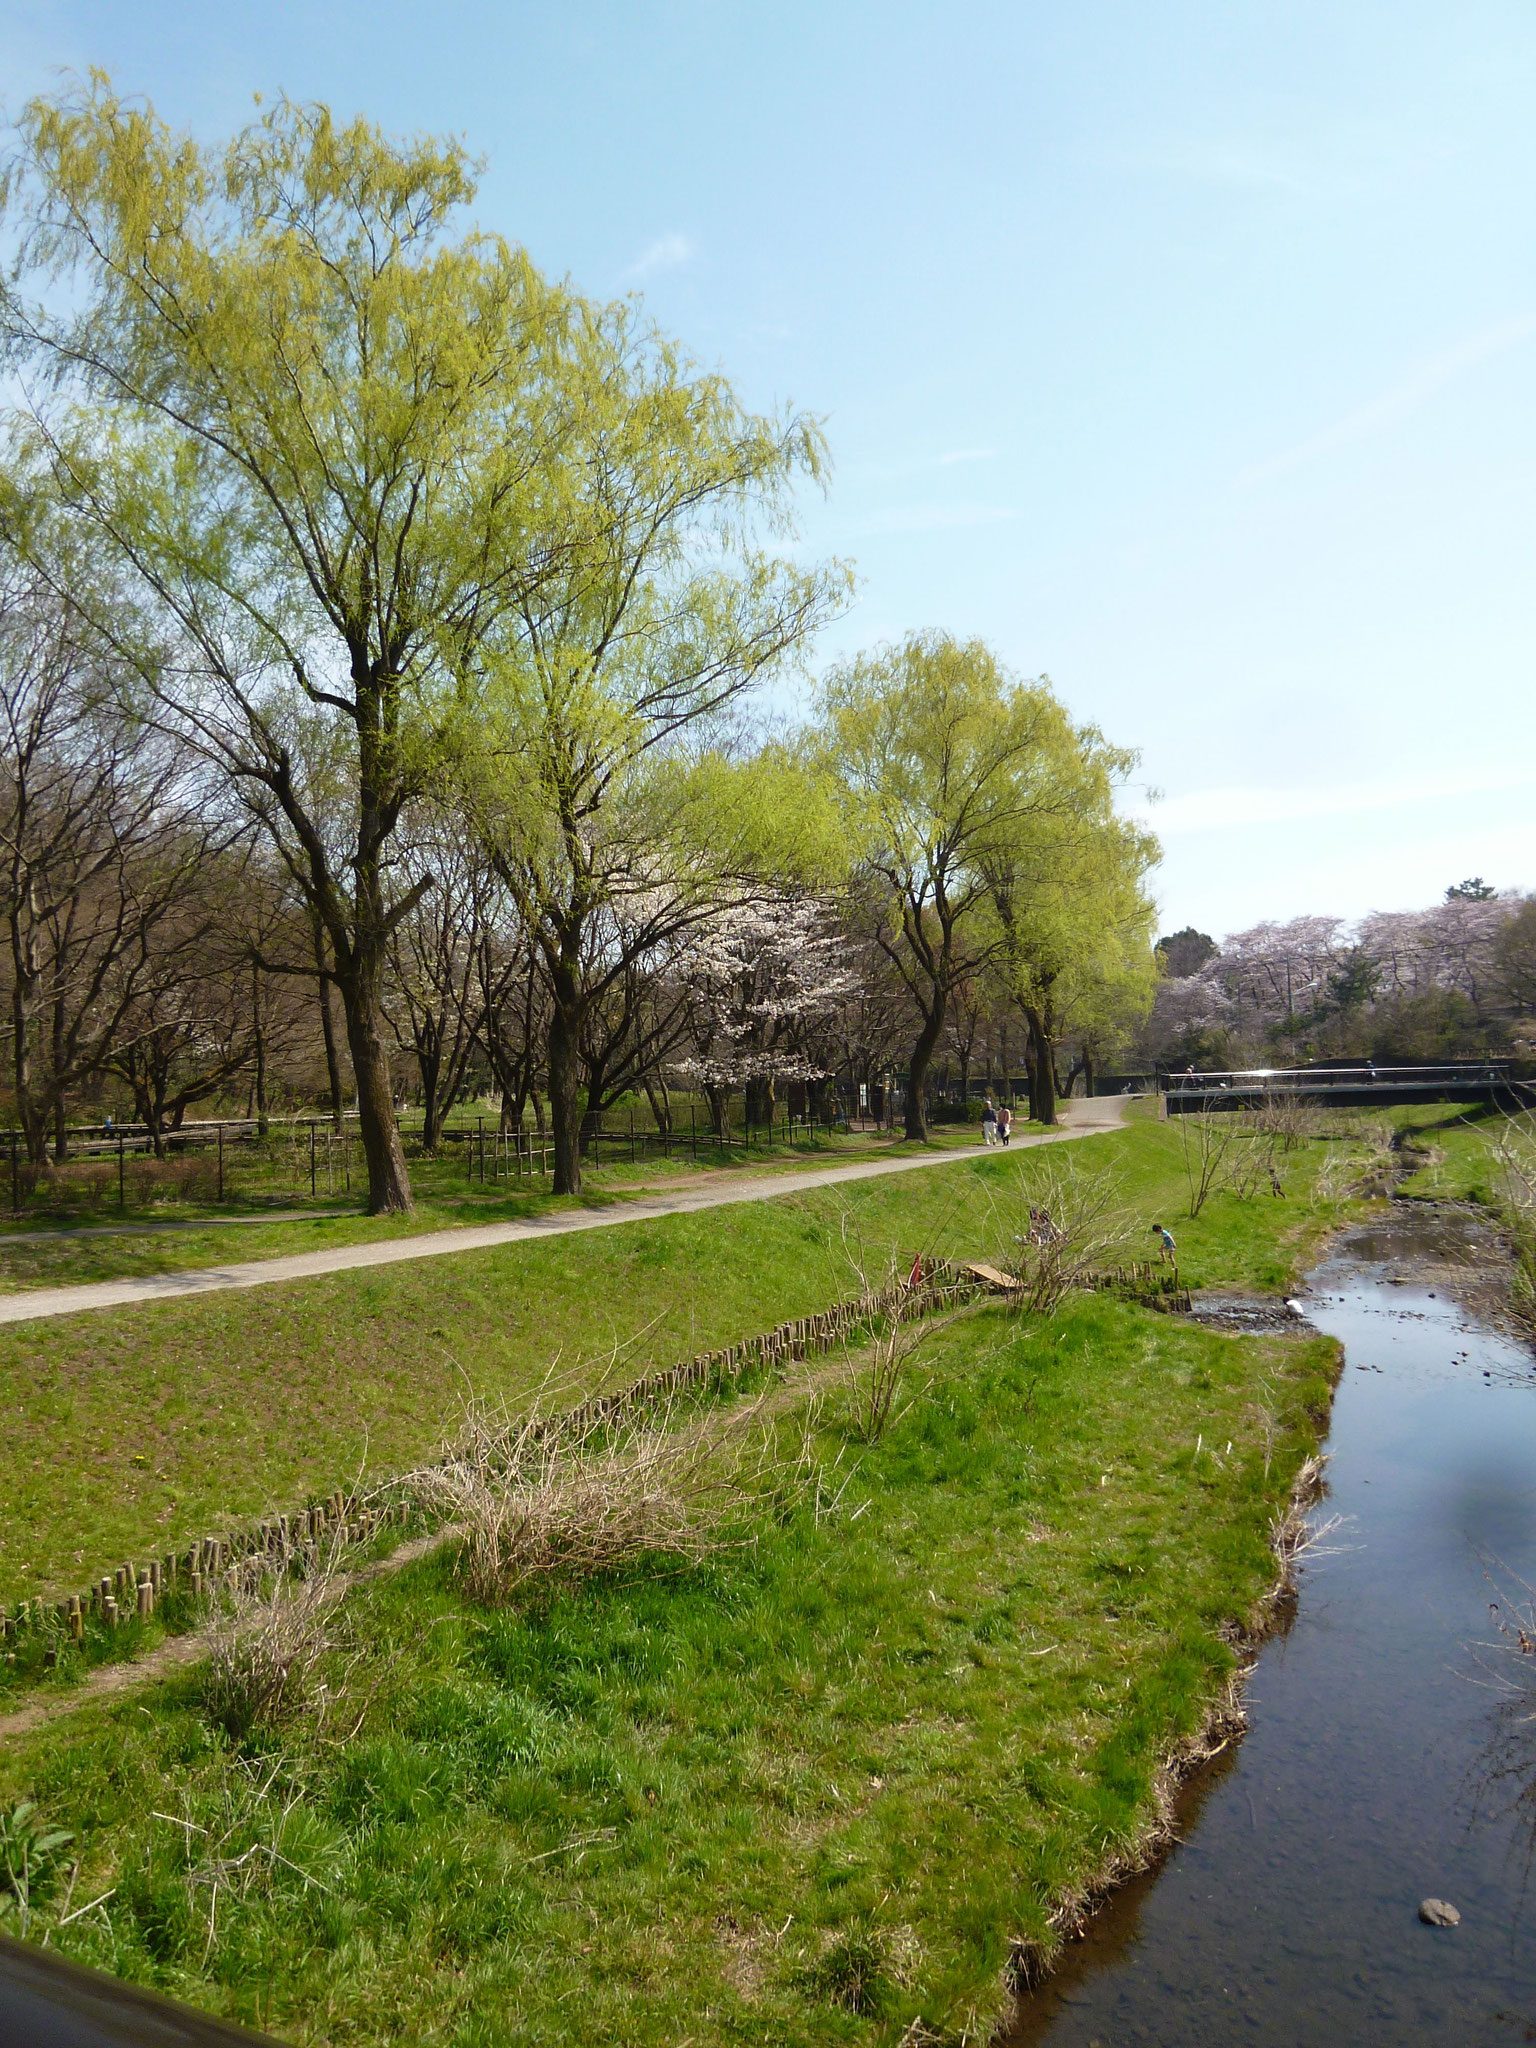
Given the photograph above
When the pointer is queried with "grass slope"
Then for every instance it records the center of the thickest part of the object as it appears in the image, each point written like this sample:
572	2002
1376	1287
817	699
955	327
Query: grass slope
805	1792
138	1430
444	1199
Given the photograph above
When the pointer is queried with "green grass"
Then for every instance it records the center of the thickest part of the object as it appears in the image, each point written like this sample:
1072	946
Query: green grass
138	1430
445	1197
1456	1145
844	1767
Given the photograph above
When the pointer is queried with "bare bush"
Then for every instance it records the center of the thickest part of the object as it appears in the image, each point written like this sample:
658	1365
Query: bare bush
877	1360
1250	1166
1063	1220
1206	1140
266	1647
1514	1150
541	1504
1288	1119
880	1366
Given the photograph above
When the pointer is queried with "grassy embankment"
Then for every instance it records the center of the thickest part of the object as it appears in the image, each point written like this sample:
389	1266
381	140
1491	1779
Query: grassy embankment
166	1237
1456	1144
140	1430
806	1791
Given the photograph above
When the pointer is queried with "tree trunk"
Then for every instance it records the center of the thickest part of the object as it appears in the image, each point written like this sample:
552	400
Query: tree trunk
56	1088
565	1085
661	1104
760	1099
719	1107
328	1027
260	1082
917	1076
29	1112
389	1182
429	1065
1042	1071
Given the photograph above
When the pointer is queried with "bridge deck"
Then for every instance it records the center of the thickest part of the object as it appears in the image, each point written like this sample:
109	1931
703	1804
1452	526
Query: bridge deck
1464	1081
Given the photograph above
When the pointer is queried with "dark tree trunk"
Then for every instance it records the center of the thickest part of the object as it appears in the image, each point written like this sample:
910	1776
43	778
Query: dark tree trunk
661	1104
430	1064
389	1182
1042	1069
328	1027
917	1076
60	1129
760	1099
719	1102
565	1083
261	1054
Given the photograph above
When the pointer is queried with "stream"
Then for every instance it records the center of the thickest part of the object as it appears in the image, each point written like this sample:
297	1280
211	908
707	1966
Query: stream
1391	1749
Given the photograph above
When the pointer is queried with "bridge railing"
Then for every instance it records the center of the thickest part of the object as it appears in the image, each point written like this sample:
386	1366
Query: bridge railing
1489	1080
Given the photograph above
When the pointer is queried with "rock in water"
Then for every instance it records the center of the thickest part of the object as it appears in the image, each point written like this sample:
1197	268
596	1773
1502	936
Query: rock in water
1438	1913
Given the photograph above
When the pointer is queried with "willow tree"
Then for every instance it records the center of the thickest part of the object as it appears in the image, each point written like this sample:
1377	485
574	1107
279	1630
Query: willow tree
949	770
1075	919
316	433
613	796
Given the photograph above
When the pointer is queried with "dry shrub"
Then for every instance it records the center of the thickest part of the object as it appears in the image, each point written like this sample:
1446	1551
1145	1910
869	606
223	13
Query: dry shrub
541	1504
266	1647
1250	1167
1063	1219
879	1366
1288	1119
188	1179
1514	1151
1206	1141
878	1357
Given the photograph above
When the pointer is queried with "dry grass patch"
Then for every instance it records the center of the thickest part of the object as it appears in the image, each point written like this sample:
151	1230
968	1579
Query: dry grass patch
540	1504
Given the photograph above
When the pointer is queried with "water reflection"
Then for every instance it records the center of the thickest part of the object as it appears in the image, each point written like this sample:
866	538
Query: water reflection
1385	1762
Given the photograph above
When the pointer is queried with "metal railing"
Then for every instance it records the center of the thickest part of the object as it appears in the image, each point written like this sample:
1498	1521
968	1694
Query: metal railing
1487	1080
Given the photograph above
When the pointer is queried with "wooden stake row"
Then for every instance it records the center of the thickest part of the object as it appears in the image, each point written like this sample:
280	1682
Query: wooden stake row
133	1590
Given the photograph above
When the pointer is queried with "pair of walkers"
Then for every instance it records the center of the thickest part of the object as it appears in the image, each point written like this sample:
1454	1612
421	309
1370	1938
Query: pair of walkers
996	1124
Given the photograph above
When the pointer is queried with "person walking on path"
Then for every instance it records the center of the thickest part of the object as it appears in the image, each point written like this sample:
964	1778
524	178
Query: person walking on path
1167	1250
1004	1123
989	1122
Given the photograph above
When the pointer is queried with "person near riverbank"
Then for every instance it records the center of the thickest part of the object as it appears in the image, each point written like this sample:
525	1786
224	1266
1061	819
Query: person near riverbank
1004	1123
989	1122
1167	1250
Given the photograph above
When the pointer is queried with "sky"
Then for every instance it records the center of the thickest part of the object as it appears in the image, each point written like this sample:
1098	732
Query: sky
1186	354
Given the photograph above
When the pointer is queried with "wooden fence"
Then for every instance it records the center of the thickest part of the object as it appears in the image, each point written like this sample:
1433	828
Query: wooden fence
133	1590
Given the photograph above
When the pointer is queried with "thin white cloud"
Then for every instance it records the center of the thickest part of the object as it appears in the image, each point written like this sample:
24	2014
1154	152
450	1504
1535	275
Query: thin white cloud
669	253
965	455
1207	810
1399	399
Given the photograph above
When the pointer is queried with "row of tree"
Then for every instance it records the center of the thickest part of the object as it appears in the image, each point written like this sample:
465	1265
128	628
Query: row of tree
381	624
1456	978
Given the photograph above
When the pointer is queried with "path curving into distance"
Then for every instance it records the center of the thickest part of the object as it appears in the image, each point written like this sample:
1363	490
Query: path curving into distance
1081	1119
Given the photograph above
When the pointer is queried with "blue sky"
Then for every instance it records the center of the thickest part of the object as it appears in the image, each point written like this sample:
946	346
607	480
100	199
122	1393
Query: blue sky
1187	353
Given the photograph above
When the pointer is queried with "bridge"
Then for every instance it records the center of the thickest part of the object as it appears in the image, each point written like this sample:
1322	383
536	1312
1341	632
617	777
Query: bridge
1486	1081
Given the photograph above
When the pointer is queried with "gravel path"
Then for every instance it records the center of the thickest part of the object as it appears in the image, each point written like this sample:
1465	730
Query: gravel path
1082	1119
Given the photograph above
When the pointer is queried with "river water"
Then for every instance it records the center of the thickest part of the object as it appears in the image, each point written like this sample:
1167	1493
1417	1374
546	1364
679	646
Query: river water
1387	1759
